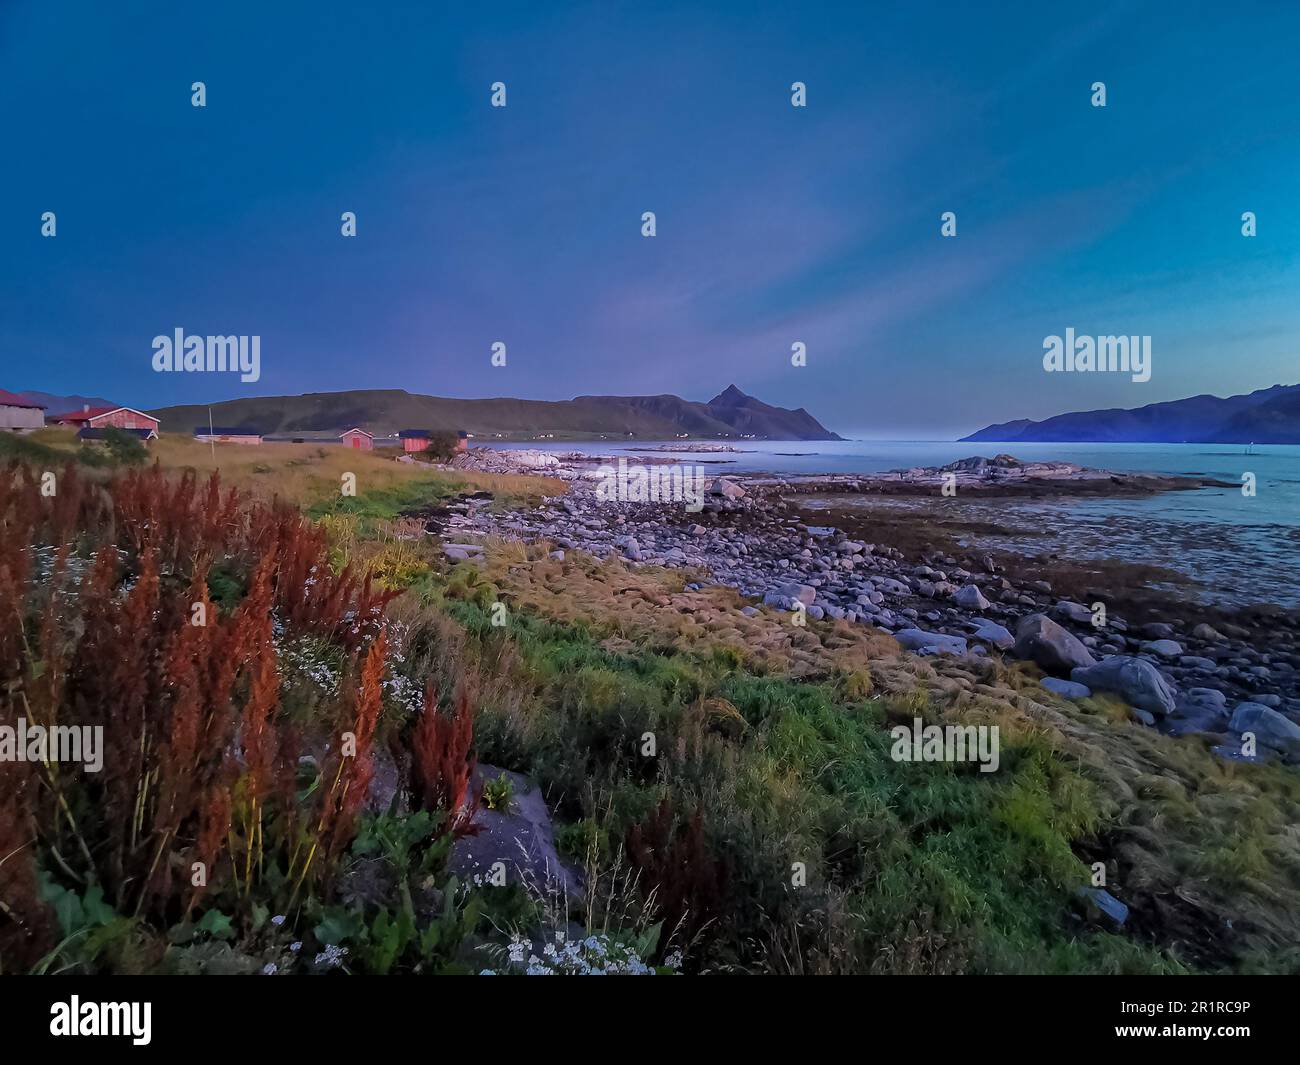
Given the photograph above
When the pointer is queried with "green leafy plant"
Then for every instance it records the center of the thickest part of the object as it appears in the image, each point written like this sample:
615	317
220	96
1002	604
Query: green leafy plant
414	851
88	925
499	794
585	842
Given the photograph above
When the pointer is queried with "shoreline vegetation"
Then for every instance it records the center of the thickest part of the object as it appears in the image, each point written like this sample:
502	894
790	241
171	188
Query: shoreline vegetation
472	719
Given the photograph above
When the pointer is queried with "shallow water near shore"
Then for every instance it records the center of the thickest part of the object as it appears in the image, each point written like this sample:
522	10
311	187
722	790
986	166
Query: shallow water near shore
1238	549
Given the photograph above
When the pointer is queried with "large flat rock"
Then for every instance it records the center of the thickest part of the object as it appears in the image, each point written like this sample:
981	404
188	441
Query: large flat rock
522	838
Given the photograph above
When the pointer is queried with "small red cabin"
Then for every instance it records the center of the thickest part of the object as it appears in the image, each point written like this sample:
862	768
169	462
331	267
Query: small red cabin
414	440
358	438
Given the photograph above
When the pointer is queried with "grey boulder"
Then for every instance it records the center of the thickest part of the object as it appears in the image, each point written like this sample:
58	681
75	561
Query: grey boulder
1076	612
1066	689
1040	639
786	595
1135	680
1270	727
971	598
992	633
930	642
727	489
521	838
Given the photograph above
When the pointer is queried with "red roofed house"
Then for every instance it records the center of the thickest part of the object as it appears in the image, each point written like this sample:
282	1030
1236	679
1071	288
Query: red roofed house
414	440
19	415
106	417
358	438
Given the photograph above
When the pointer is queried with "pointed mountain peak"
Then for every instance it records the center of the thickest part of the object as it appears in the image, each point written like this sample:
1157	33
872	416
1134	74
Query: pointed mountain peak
730	397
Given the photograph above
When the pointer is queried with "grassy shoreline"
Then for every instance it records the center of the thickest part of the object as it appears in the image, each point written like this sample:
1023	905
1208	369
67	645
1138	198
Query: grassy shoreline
769	830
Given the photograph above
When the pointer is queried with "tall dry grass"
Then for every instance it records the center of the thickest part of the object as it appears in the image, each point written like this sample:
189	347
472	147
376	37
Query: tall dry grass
107	622
310	473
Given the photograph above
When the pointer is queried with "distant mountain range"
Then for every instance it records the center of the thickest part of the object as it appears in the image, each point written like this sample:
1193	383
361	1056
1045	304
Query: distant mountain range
384	411
63	404
1267	416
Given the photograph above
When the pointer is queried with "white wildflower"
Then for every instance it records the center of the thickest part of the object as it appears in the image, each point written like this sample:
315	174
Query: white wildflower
331	956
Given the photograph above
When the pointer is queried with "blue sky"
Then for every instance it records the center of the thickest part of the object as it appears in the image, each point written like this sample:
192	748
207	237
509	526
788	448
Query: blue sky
775	224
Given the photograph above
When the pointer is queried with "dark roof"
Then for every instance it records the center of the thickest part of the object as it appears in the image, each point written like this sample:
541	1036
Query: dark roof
12	399
217	430
414	434
99	434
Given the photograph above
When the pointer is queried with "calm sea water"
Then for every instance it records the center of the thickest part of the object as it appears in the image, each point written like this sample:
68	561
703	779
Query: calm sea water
1239	548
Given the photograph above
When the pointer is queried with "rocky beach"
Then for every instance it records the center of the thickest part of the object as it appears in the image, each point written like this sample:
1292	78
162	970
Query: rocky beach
1182	667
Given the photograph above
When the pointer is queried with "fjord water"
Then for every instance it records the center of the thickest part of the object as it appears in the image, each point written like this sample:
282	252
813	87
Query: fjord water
1239	548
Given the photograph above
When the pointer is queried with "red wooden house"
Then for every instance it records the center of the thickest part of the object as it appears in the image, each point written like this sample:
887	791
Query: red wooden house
108	417
358	438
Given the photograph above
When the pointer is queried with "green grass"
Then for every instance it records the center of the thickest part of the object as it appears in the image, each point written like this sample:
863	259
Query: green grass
390	500
34	451
926	867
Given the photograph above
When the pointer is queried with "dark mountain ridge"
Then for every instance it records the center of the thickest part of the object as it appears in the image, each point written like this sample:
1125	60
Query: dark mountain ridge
1265	416
383	411
56	404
